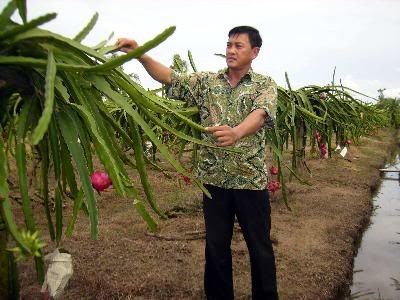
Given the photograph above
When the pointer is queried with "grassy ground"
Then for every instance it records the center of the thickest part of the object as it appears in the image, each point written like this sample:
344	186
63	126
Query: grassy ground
314	242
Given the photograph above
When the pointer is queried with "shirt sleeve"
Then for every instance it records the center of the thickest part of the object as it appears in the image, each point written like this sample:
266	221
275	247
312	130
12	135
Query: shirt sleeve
267	100
186	87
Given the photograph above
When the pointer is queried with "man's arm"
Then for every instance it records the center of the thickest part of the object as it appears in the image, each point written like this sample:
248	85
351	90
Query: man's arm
227	136
156	70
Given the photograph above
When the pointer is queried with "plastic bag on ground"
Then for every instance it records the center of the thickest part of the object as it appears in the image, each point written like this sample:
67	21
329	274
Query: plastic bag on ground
58	273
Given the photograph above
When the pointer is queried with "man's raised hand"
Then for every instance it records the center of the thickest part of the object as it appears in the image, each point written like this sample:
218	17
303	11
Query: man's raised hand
126	45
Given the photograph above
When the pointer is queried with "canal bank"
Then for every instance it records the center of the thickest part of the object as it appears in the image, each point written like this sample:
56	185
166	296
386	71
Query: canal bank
318	239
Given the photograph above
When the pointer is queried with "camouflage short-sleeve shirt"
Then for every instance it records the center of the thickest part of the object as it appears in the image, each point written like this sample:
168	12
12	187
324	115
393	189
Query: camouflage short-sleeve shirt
220	104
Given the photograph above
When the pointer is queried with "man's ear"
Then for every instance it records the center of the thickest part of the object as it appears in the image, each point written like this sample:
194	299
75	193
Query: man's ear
255	51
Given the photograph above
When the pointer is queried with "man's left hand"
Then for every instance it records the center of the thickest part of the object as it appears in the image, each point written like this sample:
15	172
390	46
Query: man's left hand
224	135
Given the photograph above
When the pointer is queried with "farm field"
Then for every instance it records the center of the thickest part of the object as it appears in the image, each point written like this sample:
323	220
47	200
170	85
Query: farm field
314	243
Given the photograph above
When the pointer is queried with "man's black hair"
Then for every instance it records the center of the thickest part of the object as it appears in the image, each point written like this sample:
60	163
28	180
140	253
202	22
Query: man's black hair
254	35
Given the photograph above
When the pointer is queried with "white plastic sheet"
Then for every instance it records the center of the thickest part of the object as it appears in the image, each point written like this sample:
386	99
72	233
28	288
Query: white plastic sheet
343	152
58	273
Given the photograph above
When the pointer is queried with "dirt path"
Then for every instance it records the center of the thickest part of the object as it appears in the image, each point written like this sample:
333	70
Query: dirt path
315	241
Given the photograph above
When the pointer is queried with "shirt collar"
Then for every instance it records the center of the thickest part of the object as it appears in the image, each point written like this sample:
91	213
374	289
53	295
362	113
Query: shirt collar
224	74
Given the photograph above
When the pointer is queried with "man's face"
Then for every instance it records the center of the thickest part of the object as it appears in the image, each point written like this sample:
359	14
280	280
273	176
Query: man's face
239	53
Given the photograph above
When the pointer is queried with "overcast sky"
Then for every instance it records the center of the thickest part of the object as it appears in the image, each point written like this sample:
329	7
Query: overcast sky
305	38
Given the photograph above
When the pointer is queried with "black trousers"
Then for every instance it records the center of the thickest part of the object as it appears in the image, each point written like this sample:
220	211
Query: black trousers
253	210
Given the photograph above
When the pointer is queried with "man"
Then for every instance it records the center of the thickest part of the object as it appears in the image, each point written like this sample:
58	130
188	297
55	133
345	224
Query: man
236	106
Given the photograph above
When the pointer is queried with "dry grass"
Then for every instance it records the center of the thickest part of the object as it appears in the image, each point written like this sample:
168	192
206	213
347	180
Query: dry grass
315	241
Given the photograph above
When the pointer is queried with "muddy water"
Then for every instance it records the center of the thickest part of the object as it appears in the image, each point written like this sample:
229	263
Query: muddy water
376	273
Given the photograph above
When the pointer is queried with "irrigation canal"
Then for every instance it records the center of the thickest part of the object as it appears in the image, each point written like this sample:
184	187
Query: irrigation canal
376	272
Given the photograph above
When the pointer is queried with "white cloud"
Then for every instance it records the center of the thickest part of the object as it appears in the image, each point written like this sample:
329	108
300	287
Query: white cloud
392	92
368	87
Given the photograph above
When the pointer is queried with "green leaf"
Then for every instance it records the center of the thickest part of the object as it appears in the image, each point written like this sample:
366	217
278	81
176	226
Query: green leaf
6	14
44	120
309	114
55	148
77	206
70	134
44	154
21	4
4	190
11	32
38	63
139	51
59	214
85	31
20	157
68	169
100	46
138	152
192	61
144	214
